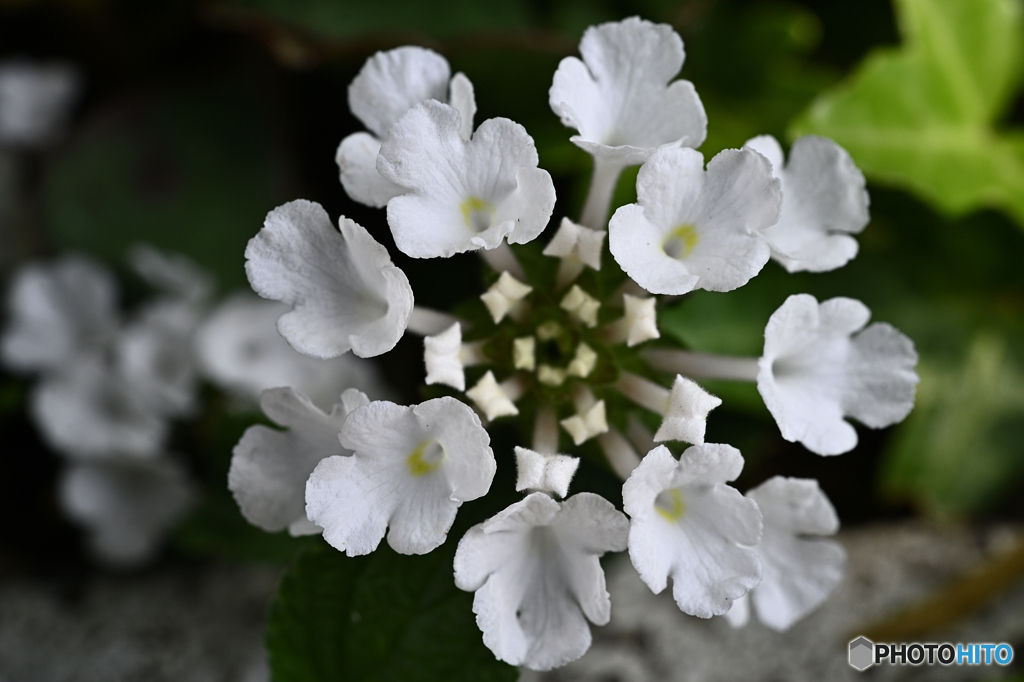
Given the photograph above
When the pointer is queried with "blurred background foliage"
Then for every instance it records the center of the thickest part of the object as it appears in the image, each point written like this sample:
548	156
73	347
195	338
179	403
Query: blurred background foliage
200	117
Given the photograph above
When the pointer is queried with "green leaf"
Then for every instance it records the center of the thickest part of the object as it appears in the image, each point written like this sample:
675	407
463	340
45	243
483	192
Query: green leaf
923	116
189	169
384	616
960	448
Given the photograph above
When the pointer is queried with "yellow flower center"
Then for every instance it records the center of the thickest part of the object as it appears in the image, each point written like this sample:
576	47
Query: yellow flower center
680	242
426	458
669	503
478	213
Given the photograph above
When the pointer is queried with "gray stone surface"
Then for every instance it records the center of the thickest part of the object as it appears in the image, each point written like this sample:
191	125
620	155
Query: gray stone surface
183	625
890	567
186	624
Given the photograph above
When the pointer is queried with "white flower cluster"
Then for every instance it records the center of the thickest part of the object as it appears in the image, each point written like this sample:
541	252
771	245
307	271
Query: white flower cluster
108	388
551	356
110	385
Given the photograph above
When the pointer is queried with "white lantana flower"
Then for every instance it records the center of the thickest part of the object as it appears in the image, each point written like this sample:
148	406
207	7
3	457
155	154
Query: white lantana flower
800	568
90	411
35	101
239	349
389	84
537	577
619	97
155	354
463	194
57	312
696	229
343	288
127	505
823	202
820	365
269	468
687	524
411	469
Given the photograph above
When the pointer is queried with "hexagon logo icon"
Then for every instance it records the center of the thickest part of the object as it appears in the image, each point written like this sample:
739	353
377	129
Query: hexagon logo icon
862	653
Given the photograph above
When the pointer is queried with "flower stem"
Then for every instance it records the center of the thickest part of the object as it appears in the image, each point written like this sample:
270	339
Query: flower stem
619	453
643	392
599	196
501	259
545	431
428	322
702	365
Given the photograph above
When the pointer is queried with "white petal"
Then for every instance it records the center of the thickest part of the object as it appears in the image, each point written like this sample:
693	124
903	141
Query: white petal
536	574
155	354
581	305
544	472
619	97
587	424
695	229
824	201
464	195
503	295
687	413
491	398
89	411
57	311
411	470
172	273
269	468
343	288
441	356
357	167
35	101
578	242
799	571
126	505
240	350
739	614
641	320
687	524
815	371
390	83
461	96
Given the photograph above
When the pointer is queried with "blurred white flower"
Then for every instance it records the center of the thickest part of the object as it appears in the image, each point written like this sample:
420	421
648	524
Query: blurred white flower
35	101
240	350
89	411
126	505
57	312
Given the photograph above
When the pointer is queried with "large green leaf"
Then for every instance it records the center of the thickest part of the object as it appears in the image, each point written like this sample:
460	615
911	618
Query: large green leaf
960	448
924	116
382	617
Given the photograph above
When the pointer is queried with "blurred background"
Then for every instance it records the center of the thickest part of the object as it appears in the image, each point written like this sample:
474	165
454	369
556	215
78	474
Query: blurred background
189	120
